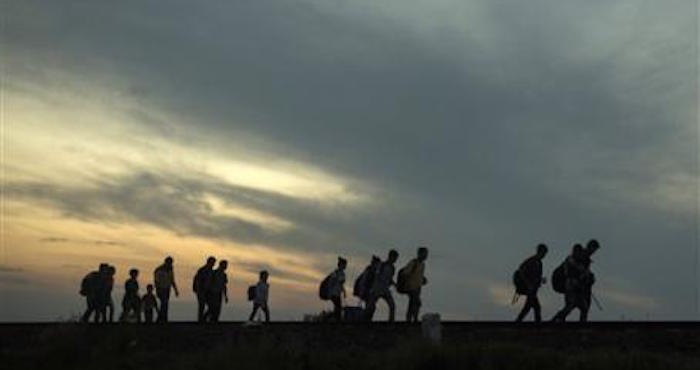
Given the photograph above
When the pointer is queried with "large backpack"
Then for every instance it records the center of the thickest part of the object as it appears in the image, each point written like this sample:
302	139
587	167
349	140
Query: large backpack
559	279
87	286
402	277
520	283
324	290
363	284
252	292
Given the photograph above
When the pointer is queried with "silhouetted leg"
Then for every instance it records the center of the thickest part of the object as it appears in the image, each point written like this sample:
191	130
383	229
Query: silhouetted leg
337	308
525	310
392	306
164	297
148	316
371	307
201	306
266	310
414	304
584	307
537	307
255	310
91	308
110	306
570	304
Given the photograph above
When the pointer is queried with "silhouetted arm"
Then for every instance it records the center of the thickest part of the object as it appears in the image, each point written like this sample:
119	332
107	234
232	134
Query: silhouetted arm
172	277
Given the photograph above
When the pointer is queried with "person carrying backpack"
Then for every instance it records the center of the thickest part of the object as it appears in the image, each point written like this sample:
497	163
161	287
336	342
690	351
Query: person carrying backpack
381	285
260	297
363	283
333	288
218	292
131	301
410	281
528	279
164	280
578	281
90	289
201	284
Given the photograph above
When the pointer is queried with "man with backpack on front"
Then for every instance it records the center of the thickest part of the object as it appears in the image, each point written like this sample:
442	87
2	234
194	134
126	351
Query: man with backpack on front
201	284
91	289
411	279
380	287
578	281
528	279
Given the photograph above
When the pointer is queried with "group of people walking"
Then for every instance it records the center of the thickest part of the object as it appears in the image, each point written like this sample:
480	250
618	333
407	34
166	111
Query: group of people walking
375	283
209	286
573	278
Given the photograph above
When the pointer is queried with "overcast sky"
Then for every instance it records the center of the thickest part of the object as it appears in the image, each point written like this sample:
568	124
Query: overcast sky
281	134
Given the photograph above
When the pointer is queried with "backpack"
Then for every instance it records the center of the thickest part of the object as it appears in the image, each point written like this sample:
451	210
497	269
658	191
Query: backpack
363	283
402	278
559	279
86	284
519	282
324	290
251	292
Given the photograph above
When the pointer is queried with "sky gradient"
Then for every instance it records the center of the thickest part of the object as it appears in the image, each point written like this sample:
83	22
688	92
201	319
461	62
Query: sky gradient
280	134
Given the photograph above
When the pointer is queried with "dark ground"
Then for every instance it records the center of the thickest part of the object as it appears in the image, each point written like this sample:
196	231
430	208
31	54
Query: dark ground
465	345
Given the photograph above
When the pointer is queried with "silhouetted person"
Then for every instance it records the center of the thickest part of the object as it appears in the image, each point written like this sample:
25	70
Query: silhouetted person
105	301
415	279
381	285
131	303
260	299
201	284
149	304
164	279
91	288
336	291
217	292
530	278
579	281
363	284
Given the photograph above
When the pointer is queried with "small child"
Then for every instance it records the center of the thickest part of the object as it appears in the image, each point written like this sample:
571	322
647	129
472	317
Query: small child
131	301
260	300
149	304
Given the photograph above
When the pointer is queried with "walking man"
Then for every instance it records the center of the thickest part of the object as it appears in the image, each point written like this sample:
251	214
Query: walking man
380	287
217	291
528	280
164	279
260	299
414	277
201	284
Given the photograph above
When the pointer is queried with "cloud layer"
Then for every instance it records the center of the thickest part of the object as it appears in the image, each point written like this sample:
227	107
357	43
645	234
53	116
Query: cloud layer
477	127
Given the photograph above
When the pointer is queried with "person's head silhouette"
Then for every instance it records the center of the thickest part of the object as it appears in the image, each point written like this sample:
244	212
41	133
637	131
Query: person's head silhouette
223	265
393	256
422	253
541	251
211	261
342	263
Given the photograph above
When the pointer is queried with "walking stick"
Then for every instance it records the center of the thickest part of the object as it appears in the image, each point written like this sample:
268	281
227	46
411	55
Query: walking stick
516	296
596	302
